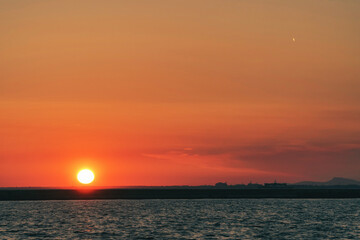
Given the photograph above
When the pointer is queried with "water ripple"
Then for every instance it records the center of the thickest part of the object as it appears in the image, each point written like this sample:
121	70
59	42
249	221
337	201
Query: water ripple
181	219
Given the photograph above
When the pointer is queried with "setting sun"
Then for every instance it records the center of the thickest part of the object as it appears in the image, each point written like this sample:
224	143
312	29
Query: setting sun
85	176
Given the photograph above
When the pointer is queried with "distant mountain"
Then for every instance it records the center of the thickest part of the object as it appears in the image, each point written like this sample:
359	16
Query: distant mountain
336	181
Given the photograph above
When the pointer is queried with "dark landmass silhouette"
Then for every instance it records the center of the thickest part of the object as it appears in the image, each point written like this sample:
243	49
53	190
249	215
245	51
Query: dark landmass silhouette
57	194
335	188
336	181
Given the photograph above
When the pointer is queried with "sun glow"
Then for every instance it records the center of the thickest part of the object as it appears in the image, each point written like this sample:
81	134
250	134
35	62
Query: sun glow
86	176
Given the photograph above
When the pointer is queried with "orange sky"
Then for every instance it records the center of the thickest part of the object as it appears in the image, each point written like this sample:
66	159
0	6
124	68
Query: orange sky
178	92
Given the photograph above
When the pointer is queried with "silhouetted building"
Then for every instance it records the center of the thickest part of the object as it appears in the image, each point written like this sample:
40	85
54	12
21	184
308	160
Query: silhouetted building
238	186
275	185
254	185
221	185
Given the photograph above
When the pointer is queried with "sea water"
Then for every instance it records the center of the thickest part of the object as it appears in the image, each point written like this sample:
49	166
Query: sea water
181	219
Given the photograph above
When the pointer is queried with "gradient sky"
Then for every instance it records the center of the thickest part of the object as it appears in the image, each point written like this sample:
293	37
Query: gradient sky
179	92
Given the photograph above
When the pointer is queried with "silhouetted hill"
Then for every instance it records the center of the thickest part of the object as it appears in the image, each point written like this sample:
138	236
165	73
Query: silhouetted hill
336	181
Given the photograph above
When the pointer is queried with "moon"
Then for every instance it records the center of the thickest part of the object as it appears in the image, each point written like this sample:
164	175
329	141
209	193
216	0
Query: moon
293	39
86	176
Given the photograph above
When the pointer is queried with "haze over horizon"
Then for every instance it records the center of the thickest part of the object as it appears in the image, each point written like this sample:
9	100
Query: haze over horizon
178	93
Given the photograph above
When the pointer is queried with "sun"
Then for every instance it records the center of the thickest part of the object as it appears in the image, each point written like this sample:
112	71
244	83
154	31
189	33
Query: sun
86	176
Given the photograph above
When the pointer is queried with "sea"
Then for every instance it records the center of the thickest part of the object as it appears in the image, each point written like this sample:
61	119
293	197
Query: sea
181	219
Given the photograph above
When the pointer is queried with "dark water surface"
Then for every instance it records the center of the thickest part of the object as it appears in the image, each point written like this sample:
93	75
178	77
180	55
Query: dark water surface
181	219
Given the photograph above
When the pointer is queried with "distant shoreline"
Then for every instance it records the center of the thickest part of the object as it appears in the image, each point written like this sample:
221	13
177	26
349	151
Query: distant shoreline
58	194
